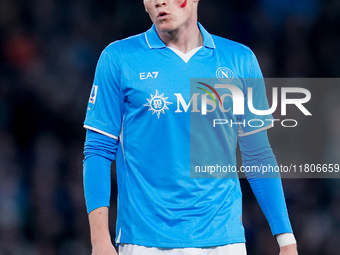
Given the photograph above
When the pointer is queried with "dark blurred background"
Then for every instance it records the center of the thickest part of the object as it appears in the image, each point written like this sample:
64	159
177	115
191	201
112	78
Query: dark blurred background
48	53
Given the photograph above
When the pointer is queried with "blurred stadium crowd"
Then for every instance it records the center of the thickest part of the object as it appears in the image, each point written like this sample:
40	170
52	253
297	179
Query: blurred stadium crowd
48	53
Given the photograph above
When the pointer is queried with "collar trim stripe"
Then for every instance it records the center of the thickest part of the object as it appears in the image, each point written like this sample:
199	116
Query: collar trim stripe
147	41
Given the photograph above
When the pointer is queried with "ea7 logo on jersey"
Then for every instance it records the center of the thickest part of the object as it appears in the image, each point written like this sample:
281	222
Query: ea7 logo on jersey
152	75
158	104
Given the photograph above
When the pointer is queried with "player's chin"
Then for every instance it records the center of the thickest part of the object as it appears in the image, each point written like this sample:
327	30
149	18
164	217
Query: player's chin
165	27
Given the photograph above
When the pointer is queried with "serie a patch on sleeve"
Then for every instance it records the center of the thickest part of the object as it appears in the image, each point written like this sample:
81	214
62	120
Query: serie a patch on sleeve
93	97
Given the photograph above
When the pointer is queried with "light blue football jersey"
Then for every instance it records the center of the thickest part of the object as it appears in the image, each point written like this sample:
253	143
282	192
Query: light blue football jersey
163	109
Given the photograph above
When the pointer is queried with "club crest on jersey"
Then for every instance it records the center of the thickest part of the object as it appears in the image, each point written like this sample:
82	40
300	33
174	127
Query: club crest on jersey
157	103
224	74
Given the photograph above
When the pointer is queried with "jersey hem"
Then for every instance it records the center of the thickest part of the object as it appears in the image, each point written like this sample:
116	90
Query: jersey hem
175	245
101	132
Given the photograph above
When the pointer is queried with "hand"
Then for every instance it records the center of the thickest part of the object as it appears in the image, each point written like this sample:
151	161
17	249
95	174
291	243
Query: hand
104	249
289	249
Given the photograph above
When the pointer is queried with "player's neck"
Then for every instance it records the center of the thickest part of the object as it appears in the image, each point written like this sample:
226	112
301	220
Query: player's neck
184	38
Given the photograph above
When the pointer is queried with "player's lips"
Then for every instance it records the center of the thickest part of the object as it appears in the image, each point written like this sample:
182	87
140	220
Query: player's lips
162	15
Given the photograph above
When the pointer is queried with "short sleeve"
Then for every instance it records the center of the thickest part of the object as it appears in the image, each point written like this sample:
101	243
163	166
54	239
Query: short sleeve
252	122
105	106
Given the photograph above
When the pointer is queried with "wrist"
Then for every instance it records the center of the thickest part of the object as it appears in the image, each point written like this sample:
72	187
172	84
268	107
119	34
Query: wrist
285	239
100	239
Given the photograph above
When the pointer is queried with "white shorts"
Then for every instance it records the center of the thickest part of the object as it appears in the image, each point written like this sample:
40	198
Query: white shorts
230	249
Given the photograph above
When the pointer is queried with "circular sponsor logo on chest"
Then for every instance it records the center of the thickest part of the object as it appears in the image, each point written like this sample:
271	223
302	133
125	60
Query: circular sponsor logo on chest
158	103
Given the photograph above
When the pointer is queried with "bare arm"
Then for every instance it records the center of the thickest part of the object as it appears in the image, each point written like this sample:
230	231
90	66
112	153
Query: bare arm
289	249
100	235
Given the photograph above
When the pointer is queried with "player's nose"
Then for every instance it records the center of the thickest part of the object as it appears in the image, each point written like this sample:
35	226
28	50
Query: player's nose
160	3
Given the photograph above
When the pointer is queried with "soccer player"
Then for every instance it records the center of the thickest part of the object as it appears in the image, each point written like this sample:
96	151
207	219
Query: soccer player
141	114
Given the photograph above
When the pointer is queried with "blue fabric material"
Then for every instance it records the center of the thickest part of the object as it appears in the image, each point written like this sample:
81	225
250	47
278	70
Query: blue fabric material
267	187
99	152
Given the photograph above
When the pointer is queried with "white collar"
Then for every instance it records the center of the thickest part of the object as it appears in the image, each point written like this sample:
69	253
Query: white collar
185	56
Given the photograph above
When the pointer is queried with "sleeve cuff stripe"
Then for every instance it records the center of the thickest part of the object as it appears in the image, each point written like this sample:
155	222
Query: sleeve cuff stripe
101	132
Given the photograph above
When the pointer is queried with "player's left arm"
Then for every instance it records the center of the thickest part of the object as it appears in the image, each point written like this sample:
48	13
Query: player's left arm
256	151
